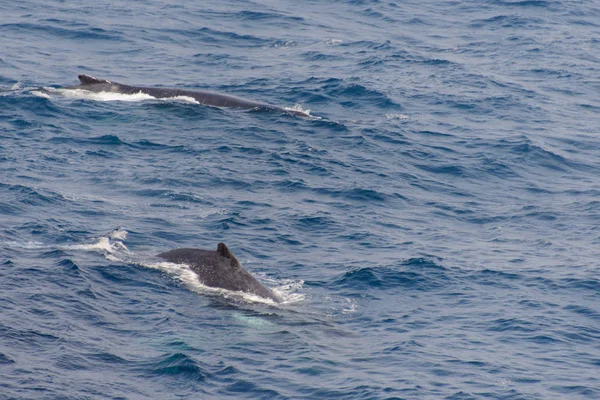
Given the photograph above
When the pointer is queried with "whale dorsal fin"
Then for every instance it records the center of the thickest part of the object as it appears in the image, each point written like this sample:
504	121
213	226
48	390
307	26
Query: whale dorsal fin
224	251
89	80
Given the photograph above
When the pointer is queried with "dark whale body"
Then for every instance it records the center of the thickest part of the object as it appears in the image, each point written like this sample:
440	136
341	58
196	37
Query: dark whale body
220	269
203	97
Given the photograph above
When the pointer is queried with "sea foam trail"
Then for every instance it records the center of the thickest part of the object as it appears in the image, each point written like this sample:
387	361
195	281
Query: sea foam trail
81	94
103	96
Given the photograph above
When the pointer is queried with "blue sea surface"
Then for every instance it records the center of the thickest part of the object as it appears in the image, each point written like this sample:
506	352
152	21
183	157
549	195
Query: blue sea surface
433	227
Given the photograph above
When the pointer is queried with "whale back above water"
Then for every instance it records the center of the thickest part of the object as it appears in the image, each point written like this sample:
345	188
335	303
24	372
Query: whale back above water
96	85
220	269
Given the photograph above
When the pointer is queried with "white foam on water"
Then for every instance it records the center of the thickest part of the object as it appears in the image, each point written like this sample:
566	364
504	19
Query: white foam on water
110	96
276	45
181	272
286	289
298	108
183	99
103	244
39	93
27	245
351	307
255	322
401	117
118	234
102	96
333	41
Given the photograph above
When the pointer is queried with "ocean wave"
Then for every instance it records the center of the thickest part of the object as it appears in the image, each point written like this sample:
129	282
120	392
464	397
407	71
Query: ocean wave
82	32
413	274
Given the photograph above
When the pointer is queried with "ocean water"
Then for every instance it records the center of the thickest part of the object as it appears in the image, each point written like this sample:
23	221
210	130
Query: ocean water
433	227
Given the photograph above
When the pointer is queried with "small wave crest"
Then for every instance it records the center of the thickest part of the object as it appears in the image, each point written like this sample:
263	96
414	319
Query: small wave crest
298	109
176	365
396	116
415	274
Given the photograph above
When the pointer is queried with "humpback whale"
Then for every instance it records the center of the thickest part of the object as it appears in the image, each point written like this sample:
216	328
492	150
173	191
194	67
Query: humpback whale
96	85
220	269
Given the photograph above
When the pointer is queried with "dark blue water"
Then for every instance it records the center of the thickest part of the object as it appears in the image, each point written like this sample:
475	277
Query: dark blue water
434	228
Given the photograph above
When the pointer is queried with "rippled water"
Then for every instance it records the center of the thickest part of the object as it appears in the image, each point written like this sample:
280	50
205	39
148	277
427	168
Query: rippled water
433	228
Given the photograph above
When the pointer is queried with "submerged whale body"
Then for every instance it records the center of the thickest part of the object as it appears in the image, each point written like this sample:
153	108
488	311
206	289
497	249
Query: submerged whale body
92	84
220	269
